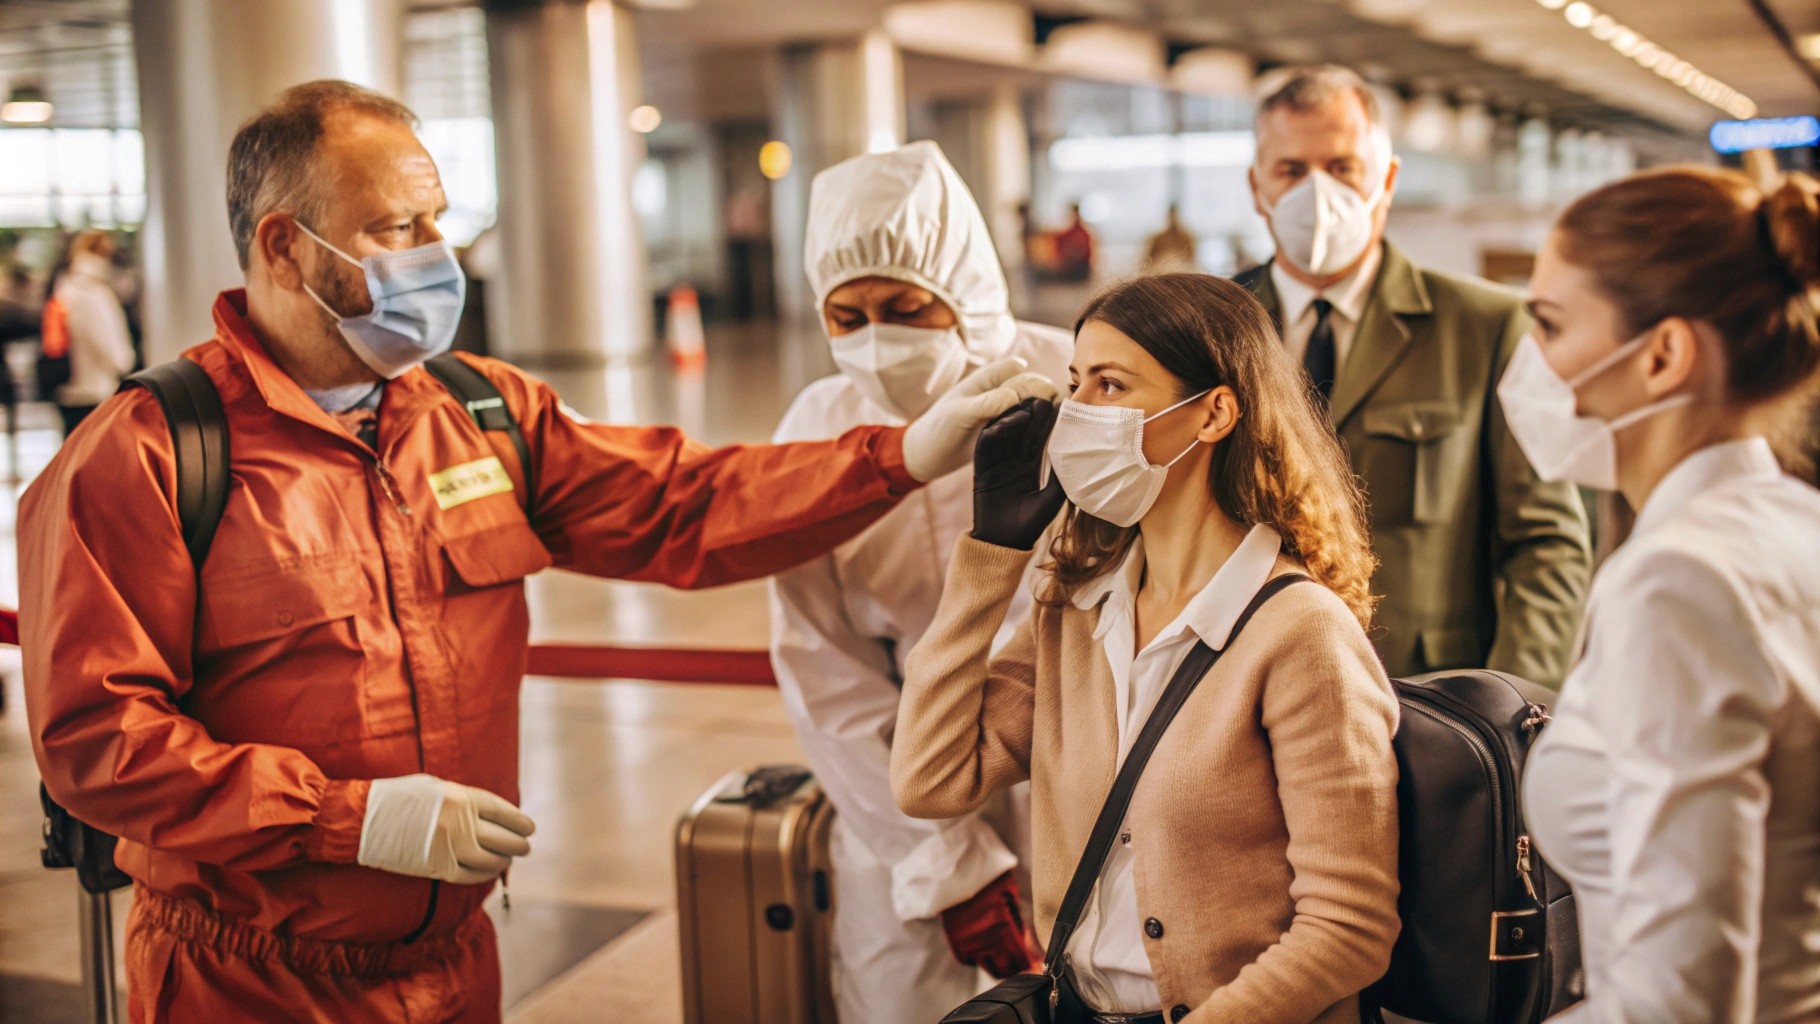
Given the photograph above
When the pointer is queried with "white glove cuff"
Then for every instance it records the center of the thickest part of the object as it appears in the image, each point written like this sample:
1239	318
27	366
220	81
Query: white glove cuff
400	823
948	868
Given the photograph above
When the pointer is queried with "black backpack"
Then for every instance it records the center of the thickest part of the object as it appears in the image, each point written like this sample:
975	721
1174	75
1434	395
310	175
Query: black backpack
199	434
1489	934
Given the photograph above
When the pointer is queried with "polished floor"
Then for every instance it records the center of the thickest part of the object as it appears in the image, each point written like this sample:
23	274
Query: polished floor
608	764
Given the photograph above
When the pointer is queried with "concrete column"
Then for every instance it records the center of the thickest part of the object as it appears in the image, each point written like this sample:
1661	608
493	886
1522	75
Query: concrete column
572	293
1007	166
832	101
204	67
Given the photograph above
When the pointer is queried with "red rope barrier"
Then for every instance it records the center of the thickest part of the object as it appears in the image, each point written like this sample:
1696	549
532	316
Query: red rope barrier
660	664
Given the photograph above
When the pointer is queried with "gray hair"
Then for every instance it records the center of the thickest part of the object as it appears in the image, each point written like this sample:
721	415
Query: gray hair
271	164
1310	87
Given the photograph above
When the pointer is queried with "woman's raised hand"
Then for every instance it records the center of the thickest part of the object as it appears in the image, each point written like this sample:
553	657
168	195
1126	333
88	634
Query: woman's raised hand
1011	505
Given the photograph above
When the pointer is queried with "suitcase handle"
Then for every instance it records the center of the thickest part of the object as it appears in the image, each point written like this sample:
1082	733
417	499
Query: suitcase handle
766	785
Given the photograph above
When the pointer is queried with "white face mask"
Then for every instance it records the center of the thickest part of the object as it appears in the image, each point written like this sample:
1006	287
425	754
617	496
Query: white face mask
1321	224
1097	452
901	368
1562	445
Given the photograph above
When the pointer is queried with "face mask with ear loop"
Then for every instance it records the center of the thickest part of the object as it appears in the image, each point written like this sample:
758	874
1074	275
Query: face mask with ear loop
417	299
1560	444
1097	452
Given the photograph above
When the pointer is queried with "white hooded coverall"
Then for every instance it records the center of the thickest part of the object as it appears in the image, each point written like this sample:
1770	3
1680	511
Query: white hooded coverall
842	625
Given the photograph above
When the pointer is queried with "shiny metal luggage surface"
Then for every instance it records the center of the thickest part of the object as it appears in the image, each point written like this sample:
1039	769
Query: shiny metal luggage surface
755	901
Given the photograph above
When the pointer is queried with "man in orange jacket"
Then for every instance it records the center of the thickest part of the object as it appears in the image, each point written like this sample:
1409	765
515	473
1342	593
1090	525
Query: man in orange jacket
310	748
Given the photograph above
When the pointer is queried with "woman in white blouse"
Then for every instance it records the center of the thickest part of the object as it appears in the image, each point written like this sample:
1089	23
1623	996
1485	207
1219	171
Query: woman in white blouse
1678	789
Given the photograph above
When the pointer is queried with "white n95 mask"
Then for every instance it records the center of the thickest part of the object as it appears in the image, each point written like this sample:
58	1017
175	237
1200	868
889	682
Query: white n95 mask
417	298
903	369
1560	444
1322	224
1097	452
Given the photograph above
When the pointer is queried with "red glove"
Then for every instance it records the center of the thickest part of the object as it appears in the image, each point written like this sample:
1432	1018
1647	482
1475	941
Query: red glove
987	931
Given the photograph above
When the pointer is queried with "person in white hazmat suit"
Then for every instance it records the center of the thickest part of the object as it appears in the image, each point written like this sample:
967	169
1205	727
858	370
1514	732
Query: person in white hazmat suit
912	297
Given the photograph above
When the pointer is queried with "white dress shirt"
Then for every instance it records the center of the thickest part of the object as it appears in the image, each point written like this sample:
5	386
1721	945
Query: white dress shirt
1111	969
1348	295
1678	788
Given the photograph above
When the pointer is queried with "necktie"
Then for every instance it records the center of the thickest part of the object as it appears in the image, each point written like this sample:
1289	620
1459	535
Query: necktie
1320	359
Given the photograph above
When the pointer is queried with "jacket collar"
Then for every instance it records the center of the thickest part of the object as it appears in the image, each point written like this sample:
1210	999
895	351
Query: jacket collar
1398	294
404	397
1709	469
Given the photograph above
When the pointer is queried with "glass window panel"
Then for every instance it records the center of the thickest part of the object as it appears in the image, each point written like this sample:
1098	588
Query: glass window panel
84	161
25	160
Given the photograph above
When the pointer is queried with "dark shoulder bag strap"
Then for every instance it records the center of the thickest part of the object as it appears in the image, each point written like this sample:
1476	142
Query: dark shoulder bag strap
1112	814
199	434
483	401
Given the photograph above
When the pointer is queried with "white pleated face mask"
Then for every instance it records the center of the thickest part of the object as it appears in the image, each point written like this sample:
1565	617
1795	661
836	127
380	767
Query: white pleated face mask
902	369
1097	452
1560	444
1322	224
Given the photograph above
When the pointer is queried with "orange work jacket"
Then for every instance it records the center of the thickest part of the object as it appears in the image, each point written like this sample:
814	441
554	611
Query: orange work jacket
361	615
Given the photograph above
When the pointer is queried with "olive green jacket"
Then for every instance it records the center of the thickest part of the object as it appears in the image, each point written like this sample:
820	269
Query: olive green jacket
1481	563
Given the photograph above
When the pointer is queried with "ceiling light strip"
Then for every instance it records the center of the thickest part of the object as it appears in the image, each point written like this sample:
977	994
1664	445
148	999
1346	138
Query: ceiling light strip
1634	45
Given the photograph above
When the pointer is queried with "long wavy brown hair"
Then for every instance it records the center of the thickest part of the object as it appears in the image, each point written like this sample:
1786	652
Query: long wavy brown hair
1281	465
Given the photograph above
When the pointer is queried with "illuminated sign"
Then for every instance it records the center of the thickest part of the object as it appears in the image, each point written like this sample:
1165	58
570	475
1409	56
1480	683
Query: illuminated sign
1766	133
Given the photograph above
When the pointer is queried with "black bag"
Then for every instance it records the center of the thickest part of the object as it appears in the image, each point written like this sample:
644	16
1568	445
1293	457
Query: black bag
199	435
1489	935
1049	997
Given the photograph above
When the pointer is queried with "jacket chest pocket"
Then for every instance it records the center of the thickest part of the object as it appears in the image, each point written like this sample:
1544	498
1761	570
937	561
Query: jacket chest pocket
288	639
485	621
1406	461
492	557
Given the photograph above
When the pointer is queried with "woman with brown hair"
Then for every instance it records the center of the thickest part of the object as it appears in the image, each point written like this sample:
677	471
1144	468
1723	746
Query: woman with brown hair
1255	875
1676	354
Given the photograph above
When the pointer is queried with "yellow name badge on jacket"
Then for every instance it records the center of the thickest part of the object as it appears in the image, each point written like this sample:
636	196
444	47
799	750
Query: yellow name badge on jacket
458	485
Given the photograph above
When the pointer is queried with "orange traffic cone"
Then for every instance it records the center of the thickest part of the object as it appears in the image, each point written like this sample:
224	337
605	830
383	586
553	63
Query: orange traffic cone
683	334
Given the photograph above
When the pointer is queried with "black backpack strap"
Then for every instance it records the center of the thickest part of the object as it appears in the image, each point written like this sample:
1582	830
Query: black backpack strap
483	401
199	434
1112	813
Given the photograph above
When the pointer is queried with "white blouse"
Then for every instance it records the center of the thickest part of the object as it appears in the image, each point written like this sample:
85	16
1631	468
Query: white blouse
1111	967
1678	788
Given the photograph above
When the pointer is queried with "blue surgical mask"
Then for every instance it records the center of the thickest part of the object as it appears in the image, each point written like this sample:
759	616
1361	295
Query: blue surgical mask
417	298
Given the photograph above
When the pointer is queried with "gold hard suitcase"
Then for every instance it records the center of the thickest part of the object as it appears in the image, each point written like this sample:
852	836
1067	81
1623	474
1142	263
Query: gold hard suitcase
755	901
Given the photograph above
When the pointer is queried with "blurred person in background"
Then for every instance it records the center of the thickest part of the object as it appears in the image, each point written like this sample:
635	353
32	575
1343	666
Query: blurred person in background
308	743
97	340
1676	355
912	296
1172	248
1074	248
1481	562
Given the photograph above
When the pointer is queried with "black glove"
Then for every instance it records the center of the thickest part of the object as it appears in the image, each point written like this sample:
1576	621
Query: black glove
1009	508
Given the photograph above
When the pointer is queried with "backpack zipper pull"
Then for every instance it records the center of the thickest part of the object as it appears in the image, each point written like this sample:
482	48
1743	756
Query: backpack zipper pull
1523	868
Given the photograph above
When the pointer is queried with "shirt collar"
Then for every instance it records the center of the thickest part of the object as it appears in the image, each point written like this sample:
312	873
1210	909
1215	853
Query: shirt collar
1705	470
1210	614
1348	295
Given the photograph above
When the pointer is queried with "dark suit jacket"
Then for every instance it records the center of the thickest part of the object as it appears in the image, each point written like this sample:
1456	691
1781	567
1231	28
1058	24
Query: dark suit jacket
1482	564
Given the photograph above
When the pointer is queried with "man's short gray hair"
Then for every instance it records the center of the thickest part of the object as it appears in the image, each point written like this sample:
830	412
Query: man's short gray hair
1309	87
272	162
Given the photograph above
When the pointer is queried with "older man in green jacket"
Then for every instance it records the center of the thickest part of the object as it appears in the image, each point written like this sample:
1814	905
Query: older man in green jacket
1482	564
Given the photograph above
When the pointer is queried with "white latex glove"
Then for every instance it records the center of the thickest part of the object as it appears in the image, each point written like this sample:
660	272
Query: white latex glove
423	826
941	440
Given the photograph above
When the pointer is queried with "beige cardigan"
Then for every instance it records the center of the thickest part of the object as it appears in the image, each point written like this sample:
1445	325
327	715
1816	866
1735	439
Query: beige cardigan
1270	802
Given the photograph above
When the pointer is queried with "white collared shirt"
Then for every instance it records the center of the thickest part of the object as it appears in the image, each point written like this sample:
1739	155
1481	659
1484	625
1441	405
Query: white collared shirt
1110	965
1348	295
1678	788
